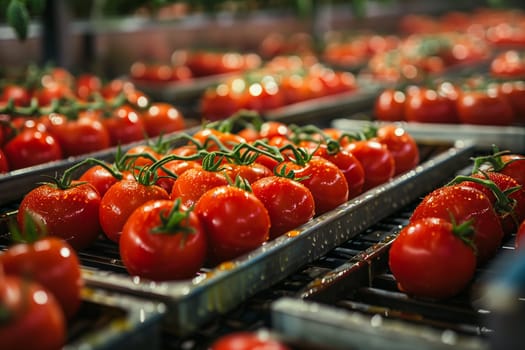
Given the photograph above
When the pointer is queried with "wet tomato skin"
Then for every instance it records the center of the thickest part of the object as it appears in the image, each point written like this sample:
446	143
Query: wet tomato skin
488	107
121	200
401	145
289	203
234	220
326	182
428	260
465	203
37	321
31	147
377	161
53	263
162	255
71	214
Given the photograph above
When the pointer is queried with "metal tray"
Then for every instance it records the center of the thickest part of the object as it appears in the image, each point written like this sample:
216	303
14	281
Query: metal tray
110	321
323	324
482	136
191	303
329	311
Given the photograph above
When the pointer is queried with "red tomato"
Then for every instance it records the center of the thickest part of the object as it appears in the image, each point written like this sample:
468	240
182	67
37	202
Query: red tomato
247	341
36	320
401	145
430	259
296	88
161	119
508	64
101	178
86	85
76	137
17	93
159	72
140	156
514	91
270	129
377	161
465	203
514	166
193	183
509	164
326	182
52	263
124	126
349	165
137	98
162	241
487	107
220	102
115	87
235	222
176	167
510	208
249	172
336	82
426	105
264	96
208	138
4	165
121	200
390	105
52	91
70	213
249	133
289	203
32	147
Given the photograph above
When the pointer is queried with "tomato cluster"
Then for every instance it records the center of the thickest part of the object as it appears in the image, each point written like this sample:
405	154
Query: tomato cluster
474	100
282	81
186	65
460	226
40	289
217	194
355	49
63	115
419	56
498	27
509	64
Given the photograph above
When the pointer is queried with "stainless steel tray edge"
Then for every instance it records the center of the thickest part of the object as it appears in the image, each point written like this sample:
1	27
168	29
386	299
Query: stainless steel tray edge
326	325
139	327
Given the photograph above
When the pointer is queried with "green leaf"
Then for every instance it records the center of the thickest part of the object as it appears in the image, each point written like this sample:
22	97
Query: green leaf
18	18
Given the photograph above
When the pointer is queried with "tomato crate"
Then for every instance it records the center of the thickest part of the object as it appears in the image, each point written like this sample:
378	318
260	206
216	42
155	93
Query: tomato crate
107	320
216	290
